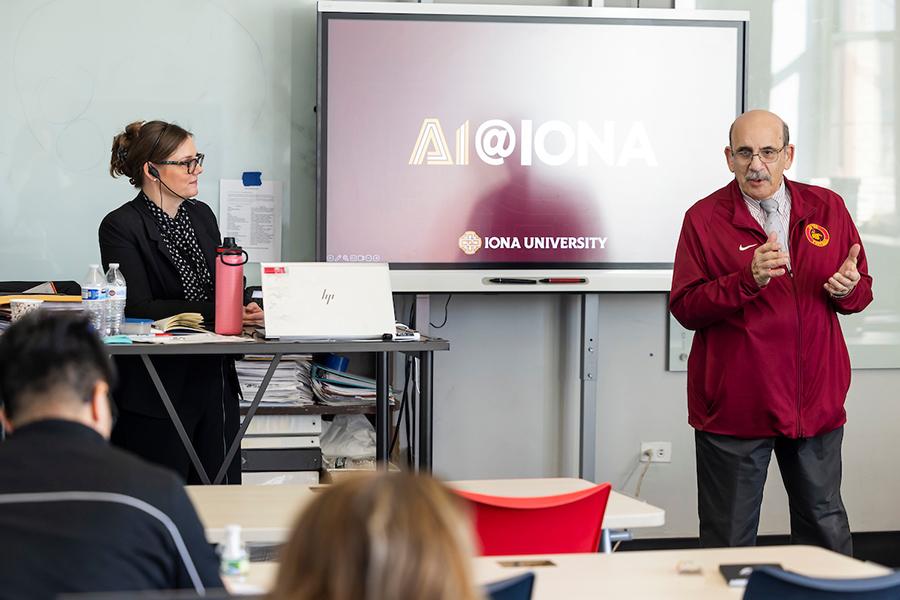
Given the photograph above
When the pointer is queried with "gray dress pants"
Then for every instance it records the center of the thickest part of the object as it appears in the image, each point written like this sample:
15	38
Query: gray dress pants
731	473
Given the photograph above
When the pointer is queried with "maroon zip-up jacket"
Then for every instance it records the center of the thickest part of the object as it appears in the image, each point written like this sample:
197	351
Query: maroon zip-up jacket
766	361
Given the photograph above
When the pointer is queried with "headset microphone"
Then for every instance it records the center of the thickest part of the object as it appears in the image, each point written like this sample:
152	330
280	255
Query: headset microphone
151	169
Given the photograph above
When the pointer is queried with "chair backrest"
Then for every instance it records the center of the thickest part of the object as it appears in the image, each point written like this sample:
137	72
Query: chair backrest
514	588
769	582
558	524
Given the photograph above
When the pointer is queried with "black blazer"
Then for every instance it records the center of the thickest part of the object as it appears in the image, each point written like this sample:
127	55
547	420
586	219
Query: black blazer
92	544
130	236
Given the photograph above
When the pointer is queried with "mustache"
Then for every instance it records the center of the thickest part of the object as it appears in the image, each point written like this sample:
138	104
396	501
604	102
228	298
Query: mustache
757	176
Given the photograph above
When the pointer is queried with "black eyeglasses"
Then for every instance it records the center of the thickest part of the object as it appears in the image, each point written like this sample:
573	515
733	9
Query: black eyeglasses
191	163
767	155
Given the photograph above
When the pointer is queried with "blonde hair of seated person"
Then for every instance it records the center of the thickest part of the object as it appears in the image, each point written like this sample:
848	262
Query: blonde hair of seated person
389	536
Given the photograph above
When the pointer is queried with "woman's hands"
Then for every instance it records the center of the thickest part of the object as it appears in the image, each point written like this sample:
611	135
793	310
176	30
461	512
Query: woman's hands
253	314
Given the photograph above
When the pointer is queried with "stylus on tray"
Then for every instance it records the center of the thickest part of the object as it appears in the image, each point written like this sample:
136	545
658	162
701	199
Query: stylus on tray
511	280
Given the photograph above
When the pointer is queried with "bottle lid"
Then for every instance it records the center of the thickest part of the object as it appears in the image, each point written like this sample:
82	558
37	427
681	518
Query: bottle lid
232	541
229	247
113	265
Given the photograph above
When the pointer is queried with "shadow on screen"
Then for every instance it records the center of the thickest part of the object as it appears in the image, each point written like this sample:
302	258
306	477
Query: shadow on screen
528	205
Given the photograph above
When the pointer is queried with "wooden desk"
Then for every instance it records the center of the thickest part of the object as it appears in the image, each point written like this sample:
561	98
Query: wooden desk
266	513
642	574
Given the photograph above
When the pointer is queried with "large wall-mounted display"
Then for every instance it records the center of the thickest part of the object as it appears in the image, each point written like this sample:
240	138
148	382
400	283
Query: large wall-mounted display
464	143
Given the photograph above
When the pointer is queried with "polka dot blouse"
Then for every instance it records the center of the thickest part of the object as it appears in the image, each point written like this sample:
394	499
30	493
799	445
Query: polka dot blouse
181	242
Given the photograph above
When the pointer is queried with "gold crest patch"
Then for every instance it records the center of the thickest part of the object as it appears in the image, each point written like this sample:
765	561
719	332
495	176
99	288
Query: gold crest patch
817	235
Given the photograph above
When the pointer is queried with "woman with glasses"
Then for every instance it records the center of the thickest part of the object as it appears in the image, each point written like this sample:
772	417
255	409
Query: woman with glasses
165	243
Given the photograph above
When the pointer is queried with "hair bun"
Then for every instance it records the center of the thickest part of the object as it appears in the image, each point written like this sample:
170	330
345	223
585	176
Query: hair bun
133	130
121	143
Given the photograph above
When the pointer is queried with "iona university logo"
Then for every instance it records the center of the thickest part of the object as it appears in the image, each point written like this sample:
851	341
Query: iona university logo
470	242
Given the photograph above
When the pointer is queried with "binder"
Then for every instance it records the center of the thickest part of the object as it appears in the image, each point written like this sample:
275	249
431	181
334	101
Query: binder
256	460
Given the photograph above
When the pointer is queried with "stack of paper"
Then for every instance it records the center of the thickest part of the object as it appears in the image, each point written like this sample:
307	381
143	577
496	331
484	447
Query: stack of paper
290	384
336	388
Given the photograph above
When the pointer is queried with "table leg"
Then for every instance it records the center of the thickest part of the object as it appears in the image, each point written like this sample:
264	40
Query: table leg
382	411
426	405
605	543
617	536
236	443
176	420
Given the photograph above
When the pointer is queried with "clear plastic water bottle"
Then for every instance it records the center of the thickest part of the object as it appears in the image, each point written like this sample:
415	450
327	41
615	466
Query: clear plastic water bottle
94	298
234	558
117	295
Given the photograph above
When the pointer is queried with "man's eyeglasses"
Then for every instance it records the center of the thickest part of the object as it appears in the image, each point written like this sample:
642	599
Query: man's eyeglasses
191	163
767	155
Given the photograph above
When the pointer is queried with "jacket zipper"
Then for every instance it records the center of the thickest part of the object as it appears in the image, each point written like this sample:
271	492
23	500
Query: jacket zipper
799	358
799	346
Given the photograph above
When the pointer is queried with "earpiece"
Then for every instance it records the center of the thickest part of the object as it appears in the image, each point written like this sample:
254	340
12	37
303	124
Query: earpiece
154	172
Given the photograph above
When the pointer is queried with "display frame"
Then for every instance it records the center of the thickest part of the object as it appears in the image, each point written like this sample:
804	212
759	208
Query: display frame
484	276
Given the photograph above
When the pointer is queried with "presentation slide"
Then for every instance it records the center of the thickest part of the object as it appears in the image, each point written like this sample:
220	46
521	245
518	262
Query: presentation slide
482	141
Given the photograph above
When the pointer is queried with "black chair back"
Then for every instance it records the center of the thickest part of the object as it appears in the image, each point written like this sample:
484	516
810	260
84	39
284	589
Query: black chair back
155	595
770	582
514	588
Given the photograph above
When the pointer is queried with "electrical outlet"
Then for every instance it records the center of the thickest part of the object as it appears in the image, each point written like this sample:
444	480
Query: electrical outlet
660	451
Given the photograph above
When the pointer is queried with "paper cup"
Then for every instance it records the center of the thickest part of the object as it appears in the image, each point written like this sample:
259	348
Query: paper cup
22	307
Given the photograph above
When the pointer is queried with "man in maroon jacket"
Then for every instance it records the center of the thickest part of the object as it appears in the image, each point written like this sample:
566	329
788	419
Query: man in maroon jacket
763	266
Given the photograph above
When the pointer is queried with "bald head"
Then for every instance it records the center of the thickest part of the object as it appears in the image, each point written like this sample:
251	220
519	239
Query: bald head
762	115
759	152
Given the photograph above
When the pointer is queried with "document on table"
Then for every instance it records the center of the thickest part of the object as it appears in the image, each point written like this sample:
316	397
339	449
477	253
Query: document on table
188	338
252	216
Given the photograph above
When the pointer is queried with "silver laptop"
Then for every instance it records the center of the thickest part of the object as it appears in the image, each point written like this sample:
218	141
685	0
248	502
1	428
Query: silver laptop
327	300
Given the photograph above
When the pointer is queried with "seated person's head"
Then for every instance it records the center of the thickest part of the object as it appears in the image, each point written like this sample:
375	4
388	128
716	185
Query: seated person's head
53	366
389	536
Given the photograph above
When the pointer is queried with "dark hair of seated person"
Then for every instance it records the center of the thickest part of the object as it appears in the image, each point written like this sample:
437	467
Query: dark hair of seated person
49	357
141	143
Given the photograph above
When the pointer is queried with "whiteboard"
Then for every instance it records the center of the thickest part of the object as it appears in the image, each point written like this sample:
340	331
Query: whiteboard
75	73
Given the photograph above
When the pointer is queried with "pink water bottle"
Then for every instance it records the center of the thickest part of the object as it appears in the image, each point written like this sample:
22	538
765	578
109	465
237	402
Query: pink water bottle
230	261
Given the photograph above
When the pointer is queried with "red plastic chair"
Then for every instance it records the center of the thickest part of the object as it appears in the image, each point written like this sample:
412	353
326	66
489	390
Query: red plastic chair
559	524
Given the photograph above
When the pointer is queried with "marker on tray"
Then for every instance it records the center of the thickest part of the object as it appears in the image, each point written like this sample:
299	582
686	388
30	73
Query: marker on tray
564	280
512	280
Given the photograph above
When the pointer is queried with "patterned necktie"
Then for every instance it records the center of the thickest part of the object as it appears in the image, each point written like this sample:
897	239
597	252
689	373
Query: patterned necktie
774	223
